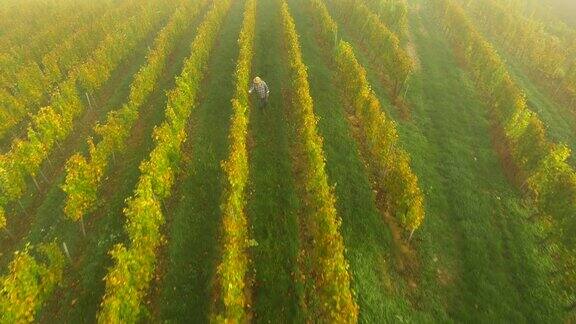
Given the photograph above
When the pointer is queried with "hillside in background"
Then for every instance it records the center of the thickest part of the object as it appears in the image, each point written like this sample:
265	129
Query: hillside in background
404	161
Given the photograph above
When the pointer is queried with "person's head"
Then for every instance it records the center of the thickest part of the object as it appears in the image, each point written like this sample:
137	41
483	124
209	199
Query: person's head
257	80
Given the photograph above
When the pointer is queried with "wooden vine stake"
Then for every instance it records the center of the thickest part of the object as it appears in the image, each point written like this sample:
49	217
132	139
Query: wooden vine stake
89	101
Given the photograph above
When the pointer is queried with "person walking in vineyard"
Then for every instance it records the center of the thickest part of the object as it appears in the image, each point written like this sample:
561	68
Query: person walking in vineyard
261	90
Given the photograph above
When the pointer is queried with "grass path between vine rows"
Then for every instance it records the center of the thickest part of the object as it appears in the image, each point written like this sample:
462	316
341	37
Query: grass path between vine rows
272	201
482	212
188	261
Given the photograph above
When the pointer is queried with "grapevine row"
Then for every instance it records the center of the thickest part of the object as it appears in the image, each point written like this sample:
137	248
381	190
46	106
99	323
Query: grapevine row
326	25
33	42
528	41
384	45
388	163
231	276
29	282
394	13
542	14
31	83
54	123
84	174
62	23
127	281
62	59
26	22
327	293
541	166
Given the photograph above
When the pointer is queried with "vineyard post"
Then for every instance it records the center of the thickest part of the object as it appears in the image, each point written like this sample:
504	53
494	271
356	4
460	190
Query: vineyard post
559	85
362	34
335	38
89	102
59	146
8	232
36	183
22	207
164	209
43	175
66	251
49	162
94	100
82	225
406	86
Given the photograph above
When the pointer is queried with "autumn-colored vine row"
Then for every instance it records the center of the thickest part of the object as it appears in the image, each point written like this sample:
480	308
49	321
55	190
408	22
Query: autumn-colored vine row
233	296
54	123
393	13
324	269
537	164
84	174
380	41
527	40
388	163
29	84
127	281
29	283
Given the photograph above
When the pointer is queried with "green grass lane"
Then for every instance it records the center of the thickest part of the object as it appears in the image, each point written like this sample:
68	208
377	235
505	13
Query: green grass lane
272	202
80	294
379	288
475	220
193	218
485	216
